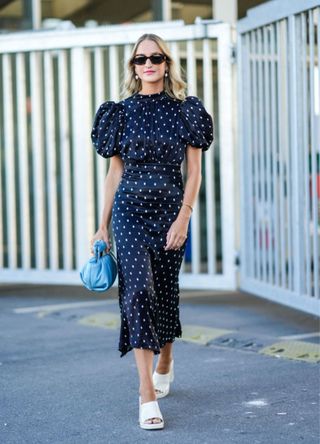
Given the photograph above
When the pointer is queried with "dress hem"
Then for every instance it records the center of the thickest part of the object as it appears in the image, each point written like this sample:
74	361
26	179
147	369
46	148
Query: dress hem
156	350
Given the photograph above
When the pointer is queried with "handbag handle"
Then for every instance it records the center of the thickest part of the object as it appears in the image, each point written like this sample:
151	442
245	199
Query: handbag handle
98	247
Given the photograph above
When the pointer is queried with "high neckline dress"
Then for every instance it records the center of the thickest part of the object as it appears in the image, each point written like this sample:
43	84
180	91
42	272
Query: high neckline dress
150	132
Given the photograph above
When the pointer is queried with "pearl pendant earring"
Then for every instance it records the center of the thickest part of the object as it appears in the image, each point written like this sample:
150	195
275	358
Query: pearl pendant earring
136	76
166	74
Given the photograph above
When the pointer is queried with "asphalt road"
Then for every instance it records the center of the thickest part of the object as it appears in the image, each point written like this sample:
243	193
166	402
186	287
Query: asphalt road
63	381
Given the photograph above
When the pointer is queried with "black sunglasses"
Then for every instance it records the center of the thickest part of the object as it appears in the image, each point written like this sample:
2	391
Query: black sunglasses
156	59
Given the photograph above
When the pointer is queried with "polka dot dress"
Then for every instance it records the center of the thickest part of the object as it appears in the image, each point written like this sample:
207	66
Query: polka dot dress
150	133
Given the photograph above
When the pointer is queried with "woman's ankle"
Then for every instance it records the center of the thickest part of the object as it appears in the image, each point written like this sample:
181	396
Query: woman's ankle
147	393
165	359
163	364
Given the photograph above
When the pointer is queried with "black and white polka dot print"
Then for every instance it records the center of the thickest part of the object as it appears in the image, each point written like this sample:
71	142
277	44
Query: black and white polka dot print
150	133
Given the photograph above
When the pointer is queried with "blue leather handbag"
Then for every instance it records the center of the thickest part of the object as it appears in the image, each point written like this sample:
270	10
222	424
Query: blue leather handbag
100	272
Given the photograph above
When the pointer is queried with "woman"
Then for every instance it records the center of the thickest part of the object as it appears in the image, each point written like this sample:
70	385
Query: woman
147	135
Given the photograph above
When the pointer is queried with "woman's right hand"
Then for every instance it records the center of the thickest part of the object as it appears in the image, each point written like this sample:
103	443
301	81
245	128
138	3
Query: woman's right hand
103	234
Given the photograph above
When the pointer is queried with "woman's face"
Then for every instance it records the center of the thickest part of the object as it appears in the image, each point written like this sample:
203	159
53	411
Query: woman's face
150	73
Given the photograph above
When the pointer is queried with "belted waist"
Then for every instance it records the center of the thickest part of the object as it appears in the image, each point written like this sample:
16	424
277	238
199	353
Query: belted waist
141	167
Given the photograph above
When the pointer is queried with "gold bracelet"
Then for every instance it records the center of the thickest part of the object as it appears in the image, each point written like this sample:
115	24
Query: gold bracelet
188	206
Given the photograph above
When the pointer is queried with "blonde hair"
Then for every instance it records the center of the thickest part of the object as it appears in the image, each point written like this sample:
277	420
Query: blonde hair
174	85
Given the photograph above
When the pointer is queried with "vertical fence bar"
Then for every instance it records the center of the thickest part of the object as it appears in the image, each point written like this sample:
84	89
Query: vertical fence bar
113	76
313	187
87	78
38	188
81	155
195	219
317	148
242	48
2	160
289	198
175	51
65	159
113	73
261	149
243	63
275	158
174	48
250	149
50	145
22	157
295	148
99	98
268	153
9	161
305	144
282	143
245	154
256	257
249	154
209	162
225	96
98	70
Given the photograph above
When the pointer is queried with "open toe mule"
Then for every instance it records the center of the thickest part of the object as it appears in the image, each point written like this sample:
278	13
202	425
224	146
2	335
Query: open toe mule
150	410
162	382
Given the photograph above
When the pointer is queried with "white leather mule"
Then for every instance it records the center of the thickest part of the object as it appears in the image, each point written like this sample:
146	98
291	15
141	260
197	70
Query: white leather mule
149	410
162	382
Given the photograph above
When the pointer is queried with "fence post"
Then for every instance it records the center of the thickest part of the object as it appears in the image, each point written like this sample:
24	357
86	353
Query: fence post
82	173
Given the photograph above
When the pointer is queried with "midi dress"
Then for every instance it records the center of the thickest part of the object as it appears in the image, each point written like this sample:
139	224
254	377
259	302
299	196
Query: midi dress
150	132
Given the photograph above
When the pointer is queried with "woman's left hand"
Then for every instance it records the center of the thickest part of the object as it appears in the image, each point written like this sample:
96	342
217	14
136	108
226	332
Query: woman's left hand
177	234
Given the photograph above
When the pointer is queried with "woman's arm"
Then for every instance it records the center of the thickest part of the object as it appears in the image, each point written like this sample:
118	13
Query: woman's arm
178	230
111	184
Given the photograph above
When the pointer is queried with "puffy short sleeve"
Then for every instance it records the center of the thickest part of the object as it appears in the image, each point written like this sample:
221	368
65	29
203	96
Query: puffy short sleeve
107	128
196	124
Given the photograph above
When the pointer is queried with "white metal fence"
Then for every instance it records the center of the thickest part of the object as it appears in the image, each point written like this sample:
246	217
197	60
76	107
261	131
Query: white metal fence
51	179
279	94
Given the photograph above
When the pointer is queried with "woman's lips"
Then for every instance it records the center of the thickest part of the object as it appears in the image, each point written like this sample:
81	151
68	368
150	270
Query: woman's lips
149	72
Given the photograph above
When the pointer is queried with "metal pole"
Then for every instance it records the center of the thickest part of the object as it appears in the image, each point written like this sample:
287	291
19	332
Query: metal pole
161	10
32	14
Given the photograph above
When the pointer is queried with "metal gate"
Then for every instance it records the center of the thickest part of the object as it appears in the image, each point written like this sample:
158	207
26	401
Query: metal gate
279	91
51	179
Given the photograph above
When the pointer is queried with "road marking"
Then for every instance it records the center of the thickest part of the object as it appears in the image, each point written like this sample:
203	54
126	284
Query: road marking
301	336
67	306
200	334
256	403
299	350
102	320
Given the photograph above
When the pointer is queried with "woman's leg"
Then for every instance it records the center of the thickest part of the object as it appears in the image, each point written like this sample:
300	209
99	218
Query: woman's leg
165	357
144	361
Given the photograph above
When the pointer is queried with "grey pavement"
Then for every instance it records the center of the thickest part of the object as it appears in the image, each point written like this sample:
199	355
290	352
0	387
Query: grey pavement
64	382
